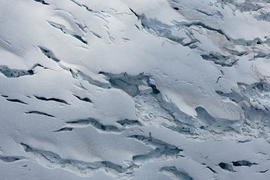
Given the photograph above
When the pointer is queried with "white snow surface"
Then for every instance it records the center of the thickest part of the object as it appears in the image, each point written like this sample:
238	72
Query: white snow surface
124	89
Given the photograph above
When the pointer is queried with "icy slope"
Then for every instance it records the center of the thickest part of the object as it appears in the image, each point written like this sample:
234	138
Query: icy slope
145	89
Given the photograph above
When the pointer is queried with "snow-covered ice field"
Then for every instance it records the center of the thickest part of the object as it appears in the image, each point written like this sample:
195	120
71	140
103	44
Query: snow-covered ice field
135	89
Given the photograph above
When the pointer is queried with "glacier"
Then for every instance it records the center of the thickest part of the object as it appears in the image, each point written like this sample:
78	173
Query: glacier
145	89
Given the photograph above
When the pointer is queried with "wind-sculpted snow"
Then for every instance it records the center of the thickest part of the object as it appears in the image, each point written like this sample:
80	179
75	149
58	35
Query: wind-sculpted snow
123	89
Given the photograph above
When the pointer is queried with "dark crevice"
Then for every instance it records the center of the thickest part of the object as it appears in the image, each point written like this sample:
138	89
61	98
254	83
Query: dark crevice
64	129
37	65
243	163
75	2
95	34
226	166
178	174
233	96
10	159
162	30
236	53
80	75
154	88
76	74
127	122
245	141
91	11
39	113
16	100
67	31
264	171
82	166
13	100
183	128
211	169
15	73
95	123
127	83
49	53
42	2
130	84
218	79
86	99
201	24
51	99
156	153
80	38
86	7
239	41
204	12
219	59
162	148
134	13
83	29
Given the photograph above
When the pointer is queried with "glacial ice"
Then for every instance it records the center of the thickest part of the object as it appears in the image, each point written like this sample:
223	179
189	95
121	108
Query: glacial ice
145	89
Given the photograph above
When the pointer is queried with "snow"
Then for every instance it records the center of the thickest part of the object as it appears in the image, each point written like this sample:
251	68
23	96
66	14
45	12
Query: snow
121	89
